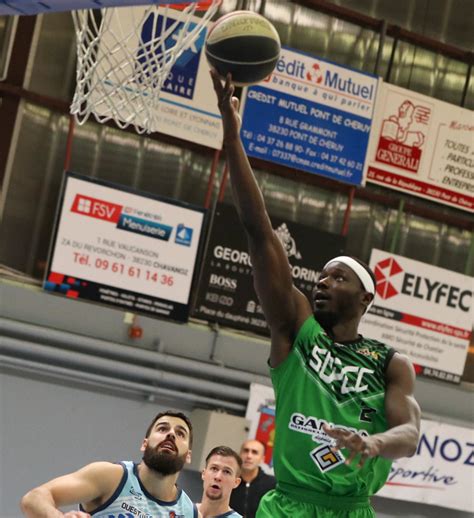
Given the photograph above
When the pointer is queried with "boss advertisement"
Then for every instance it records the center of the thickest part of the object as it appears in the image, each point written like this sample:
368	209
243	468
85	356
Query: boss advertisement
312	115
226	294
123	248
422	146
422	311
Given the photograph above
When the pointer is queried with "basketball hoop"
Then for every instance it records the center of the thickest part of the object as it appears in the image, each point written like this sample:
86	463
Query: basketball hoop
124	54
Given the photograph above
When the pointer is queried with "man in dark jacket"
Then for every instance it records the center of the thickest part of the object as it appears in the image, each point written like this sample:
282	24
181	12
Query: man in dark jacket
255	483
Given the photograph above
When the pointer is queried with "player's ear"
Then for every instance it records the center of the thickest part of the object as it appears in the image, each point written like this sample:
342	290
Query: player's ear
237	482
367	298
202	473
188	457
144	444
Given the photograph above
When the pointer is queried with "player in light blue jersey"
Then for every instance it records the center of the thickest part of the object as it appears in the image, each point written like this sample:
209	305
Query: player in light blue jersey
220	476
107	490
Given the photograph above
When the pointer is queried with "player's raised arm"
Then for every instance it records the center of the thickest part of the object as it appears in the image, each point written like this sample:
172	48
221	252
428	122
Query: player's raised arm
284	306
92	483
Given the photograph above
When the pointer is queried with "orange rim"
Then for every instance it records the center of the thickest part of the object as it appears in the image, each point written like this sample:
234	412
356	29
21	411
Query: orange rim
202	5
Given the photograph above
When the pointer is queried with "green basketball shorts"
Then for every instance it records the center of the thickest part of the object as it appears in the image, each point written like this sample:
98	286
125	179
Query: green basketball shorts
276	504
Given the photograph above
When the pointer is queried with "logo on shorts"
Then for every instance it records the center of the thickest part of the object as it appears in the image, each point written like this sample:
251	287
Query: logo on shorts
326	459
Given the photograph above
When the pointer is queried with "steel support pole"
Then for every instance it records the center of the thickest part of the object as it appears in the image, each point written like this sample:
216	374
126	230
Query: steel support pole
396	233
212	176
347	213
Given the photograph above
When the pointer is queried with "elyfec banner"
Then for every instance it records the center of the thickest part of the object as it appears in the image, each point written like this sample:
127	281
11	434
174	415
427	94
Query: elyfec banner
422	311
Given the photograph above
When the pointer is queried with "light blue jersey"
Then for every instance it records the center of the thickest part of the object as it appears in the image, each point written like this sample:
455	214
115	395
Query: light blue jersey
228	514
132	500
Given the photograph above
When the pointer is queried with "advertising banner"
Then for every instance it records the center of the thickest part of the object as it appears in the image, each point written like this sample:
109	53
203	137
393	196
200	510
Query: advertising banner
127	249
188	105
441	471
261	415
422	311
226	293
187	108
423	147
311	114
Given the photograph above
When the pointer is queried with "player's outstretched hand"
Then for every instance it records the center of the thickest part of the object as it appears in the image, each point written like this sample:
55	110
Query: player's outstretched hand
366	447
228	105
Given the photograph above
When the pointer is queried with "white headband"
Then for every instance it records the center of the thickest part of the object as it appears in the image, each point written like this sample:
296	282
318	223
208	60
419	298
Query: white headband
359	270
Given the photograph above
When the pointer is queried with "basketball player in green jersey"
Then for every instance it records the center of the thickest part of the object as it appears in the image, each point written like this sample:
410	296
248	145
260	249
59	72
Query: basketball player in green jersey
344	404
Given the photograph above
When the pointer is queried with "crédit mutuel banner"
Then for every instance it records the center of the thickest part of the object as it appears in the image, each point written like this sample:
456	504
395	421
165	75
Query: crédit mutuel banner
441	471
124	248
226	293
422	146
422	311
312	115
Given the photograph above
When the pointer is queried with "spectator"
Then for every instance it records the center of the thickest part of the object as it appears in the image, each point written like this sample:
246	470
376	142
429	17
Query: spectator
255	482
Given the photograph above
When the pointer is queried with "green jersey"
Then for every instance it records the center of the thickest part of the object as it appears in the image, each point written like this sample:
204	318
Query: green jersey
341	385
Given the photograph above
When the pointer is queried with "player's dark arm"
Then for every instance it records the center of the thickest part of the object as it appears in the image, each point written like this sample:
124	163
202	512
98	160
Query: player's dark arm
401	410
284	306
403	418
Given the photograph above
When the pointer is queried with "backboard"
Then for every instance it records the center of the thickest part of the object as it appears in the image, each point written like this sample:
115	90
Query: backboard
20	7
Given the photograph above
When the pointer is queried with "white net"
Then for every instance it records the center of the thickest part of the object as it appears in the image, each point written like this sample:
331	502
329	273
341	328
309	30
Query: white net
125	54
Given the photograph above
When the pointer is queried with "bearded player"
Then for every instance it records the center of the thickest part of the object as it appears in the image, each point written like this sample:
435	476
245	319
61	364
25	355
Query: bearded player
344	404
146	489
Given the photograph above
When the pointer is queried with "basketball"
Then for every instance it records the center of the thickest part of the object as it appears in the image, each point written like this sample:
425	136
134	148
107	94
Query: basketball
245	44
